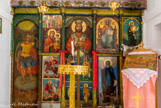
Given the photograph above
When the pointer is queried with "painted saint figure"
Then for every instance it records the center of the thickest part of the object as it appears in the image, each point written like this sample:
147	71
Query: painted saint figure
86	94
50	91
57	42
131	35
52	65
27	62
51	42
81	40
50	68
110	89
107	32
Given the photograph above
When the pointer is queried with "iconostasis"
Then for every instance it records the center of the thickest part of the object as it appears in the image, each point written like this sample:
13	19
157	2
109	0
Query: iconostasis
37	40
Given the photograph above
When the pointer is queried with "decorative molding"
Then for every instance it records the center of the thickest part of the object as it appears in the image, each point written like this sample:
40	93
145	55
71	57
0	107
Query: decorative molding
69	11
107	12
81	3
49	54
78	11
109	54
26	10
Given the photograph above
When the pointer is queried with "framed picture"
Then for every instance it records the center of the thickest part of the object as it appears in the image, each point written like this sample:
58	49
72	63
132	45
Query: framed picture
52	28
131	37
86	96
50	66
108	80
0	25
79	31
107	35
50	90
25	71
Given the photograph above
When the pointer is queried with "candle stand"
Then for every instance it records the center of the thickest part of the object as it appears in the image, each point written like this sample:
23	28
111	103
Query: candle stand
72	70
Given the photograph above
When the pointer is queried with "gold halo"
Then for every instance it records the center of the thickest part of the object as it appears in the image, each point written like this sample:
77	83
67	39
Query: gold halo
49	81
106	61
84	26
131	22
57	34
26	25
110	21
85	84
51	58
51	30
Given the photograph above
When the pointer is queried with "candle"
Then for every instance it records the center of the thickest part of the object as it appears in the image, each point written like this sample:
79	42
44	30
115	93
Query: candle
72	48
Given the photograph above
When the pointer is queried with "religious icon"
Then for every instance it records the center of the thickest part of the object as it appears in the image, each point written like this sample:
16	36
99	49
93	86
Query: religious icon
52	21
132	34
52	42
107	35
50	90
131	31
27	62
86	94
108	80
79	37
50	67
25	71
52	25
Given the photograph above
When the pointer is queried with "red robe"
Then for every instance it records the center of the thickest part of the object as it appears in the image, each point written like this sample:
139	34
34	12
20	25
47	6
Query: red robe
86	43
104	28
53	61
48	88
48	41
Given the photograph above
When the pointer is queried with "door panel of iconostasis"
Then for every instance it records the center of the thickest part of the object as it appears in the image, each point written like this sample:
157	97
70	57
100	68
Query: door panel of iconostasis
25	73
51	42
108	80
79	30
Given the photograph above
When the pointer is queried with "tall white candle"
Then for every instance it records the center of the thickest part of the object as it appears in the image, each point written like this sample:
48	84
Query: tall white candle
72	48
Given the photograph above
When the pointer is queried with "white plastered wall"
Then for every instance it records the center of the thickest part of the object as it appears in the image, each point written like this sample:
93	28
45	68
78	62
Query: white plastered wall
152	35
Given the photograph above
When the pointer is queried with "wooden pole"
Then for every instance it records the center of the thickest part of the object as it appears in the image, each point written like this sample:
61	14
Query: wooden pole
78	78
